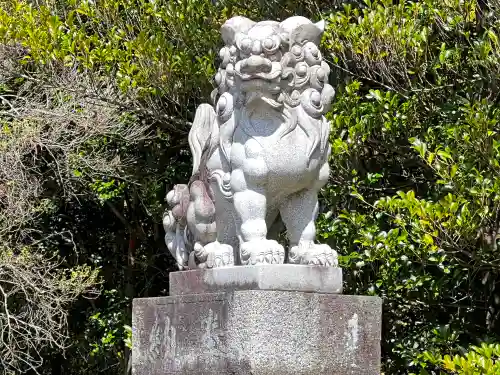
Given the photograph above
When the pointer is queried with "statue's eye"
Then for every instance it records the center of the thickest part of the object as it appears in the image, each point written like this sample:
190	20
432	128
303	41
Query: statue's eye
271	44
246	46
268	43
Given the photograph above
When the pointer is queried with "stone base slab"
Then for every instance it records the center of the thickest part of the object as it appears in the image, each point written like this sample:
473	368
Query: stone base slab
282	277
257	332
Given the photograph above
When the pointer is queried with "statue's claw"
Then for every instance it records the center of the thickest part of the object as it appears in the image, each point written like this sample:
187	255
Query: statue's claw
262	252
314	254
213	255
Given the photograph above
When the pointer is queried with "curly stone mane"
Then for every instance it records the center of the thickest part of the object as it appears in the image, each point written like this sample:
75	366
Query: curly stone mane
285	60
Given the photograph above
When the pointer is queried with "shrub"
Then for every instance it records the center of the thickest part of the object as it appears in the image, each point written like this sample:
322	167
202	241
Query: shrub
412	204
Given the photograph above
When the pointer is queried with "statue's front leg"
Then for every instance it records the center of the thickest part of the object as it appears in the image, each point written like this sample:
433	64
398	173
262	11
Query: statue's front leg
250	204
299	213
255	248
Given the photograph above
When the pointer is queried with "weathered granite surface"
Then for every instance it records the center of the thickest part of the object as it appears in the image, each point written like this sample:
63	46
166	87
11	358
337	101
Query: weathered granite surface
260	153
282	277
257	332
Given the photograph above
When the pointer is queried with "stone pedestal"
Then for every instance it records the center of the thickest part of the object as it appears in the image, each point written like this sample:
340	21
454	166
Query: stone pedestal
254	321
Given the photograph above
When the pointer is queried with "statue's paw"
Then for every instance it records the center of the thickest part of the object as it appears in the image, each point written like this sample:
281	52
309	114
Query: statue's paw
214	255
314	254
262	252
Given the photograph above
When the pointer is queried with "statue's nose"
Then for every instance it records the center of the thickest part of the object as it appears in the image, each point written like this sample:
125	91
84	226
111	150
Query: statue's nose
256	64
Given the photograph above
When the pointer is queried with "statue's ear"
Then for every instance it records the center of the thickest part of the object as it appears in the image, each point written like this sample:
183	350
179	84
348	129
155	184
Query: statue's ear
321	25
234	26
309	32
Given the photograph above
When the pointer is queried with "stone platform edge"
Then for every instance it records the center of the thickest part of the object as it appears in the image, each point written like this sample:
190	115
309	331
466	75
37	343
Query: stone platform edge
281	277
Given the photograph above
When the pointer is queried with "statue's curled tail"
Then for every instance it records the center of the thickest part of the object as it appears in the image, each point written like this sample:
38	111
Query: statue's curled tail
190	221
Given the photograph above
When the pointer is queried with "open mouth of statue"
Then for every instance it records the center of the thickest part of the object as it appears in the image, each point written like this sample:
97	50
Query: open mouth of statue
257	67
262	76
261	87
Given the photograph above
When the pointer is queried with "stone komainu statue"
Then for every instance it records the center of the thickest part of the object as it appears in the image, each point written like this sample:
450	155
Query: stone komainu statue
260	155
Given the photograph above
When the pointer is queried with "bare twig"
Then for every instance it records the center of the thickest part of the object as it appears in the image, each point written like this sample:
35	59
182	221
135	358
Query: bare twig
34	297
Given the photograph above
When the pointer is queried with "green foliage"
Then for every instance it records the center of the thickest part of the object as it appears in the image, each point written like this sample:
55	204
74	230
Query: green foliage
106	329
107	189
412	205
414	195
136	47
479	360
